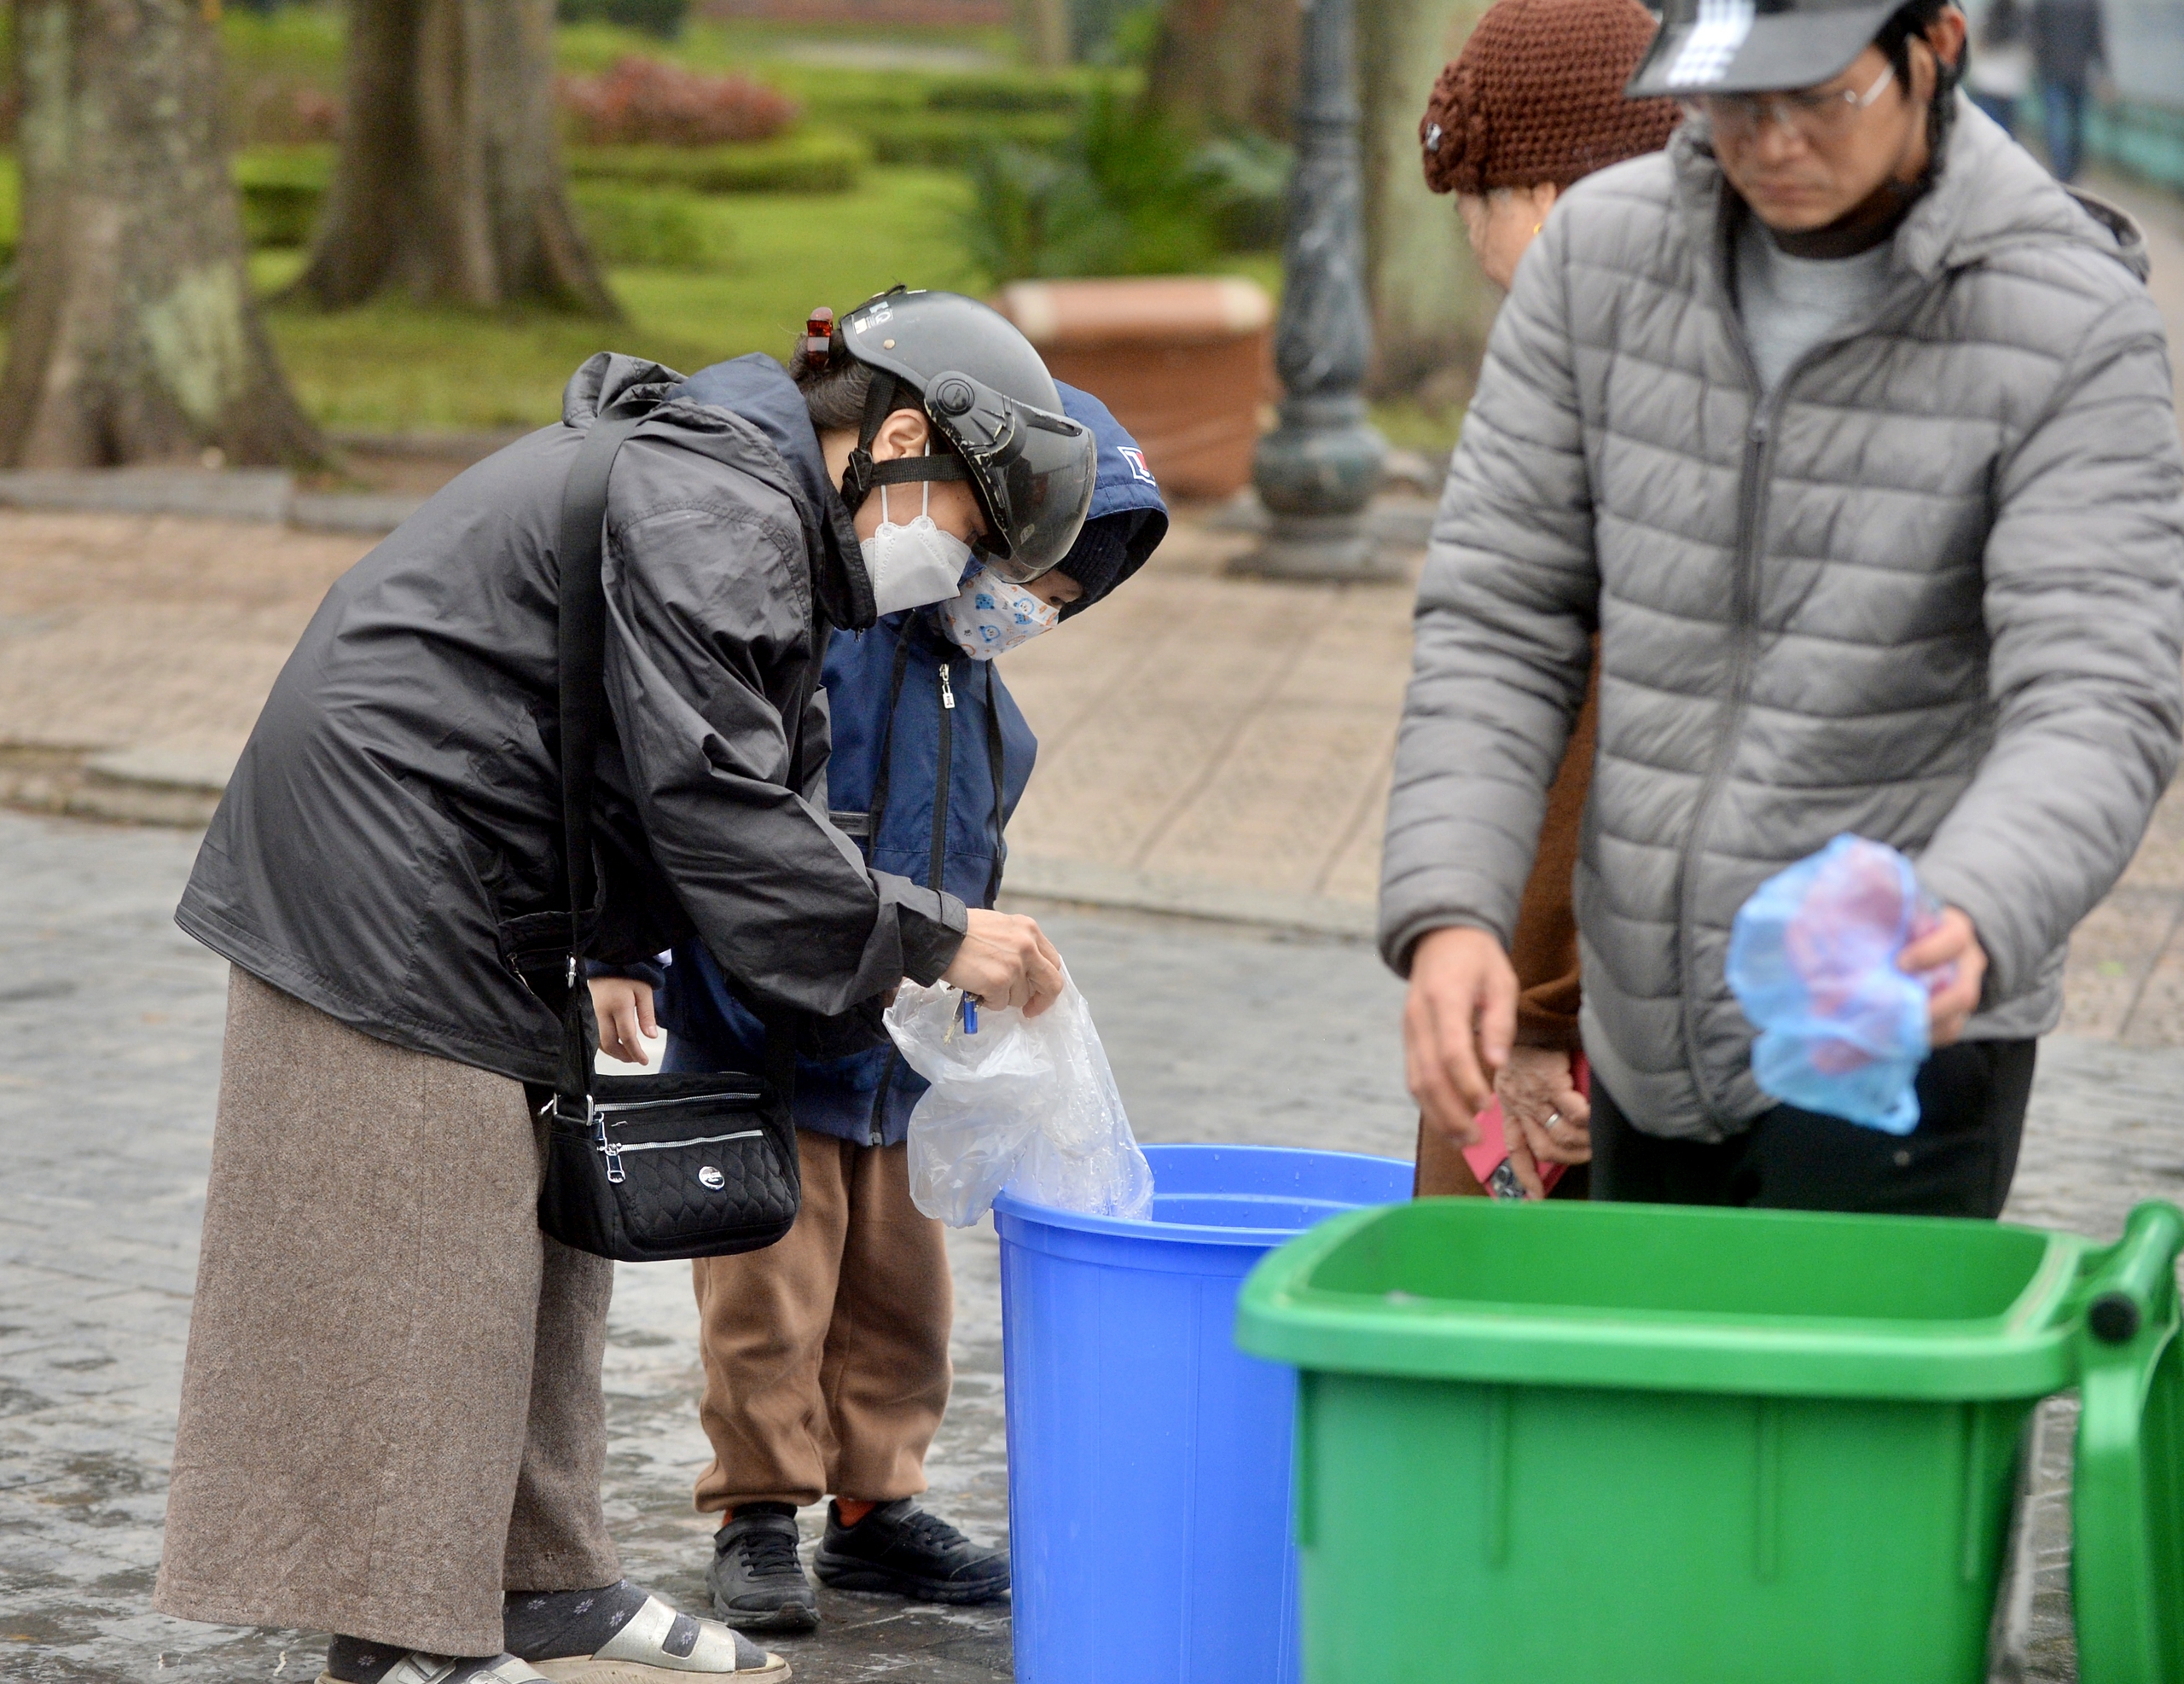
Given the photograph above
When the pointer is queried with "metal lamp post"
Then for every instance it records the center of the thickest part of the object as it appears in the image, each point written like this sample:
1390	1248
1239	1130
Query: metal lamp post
1318	469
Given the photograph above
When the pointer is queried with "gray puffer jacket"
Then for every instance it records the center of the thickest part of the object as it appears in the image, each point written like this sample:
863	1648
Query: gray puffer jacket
1930	591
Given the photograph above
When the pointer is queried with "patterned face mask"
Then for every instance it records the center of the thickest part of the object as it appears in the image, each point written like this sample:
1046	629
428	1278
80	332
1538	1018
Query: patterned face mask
989	616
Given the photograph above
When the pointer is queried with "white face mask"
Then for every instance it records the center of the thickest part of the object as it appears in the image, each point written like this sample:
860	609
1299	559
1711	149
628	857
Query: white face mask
989	616
914	565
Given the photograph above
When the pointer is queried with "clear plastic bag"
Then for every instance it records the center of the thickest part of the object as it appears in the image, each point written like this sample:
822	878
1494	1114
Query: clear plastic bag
1024	1105
1813	963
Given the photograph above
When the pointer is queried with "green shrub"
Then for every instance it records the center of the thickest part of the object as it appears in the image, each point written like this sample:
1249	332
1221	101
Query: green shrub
1123	195
282	188
662	18
1008	90
953	139
651	228
1244	181
811	160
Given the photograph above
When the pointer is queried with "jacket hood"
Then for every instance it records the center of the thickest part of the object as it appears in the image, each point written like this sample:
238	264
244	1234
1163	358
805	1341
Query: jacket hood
1988	195
775	441
605	379
759	389
1128	518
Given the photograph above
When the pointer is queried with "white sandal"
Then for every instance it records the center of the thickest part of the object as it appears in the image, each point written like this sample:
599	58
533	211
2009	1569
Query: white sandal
418	1668
639	1653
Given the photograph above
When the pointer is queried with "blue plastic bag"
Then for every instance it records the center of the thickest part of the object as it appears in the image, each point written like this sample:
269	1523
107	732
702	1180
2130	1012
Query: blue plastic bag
1812	960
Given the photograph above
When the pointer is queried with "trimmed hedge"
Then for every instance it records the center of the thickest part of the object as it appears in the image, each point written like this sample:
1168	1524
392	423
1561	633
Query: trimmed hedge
282	187
632	227
811	160
952	139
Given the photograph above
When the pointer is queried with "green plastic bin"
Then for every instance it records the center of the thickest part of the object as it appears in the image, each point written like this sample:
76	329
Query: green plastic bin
1563	1443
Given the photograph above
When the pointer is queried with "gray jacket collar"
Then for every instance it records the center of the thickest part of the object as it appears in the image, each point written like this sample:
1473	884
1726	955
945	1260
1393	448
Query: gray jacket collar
1989	194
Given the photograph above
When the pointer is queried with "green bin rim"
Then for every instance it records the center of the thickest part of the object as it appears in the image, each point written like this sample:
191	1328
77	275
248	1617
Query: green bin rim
2027	1351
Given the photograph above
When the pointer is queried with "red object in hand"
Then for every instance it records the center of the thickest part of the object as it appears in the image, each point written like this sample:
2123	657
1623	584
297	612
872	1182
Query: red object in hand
819	337
1490	1158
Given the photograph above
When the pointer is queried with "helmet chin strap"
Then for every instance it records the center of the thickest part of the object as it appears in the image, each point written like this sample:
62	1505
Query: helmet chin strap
863	473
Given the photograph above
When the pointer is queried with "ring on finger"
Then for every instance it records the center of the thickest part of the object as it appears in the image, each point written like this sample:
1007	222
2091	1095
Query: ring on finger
1554	1121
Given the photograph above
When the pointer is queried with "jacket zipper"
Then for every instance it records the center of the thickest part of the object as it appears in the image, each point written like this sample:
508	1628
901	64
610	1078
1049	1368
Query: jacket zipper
943	777
879	1120
1752	512
1751	520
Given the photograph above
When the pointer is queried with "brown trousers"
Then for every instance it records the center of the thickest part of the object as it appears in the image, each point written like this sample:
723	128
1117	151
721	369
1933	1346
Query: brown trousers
391	1407
826	1354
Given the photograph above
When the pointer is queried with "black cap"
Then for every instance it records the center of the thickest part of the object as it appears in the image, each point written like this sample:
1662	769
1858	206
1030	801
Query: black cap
1738	47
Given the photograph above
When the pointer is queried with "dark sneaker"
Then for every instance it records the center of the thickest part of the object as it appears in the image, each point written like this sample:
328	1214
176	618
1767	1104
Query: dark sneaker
900	1550
758	1583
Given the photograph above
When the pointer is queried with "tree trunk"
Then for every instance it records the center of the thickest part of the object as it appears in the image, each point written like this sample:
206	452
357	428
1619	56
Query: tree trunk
1431	305
134	337
1042	26
449	180
1226	64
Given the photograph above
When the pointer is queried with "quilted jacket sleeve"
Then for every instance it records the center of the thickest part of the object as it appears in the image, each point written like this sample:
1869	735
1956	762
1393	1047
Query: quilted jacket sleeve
2084	608
1504	622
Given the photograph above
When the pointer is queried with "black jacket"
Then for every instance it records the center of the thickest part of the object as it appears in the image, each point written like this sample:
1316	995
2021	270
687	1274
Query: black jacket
387	848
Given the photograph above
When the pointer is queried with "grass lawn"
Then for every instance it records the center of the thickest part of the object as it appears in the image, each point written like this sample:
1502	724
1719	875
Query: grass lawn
390	366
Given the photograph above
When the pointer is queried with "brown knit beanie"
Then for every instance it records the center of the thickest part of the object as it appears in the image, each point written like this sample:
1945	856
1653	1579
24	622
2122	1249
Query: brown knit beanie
1537	95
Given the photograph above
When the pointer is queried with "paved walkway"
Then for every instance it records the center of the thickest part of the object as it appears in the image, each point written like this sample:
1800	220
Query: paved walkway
1216	1034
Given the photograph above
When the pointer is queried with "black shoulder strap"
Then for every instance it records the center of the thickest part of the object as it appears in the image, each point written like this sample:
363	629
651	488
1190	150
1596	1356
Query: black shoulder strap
581	645
581	650
996	764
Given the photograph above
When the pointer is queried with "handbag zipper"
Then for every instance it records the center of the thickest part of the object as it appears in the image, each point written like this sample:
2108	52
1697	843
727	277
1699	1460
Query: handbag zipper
653	1105
614	1149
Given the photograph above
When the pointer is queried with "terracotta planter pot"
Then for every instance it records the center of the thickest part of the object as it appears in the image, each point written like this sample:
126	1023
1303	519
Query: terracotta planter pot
1187	364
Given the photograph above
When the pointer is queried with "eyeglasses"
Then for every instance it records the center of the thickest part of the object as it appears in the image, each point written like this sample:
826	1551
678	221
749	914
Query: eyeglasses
1811	116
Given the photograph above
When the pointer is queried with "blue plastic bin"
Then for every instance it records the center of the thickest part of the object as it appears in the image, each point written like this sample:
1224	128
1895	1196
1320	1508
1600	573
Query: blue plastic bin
1149	1459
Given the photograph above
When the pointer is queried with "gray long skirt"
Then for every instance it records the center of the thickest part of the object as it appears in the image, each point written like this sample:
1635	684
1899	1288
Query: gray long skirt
391	1408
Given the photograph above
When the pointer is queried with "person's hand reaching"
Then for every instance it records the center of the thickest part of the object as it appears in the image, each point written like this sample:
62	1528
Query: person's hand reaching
1544	1118
624	1007
1006	960
1458	1023
1952	1001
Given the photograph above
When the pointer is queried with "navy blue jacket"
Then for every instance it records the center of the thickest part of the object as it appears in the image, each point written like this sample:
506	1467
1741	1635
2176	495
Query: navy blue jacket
889	692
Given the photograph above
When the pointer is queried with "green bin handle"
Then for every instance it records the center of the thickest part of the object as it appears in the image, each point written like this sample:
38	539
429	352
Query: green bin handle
2127	1566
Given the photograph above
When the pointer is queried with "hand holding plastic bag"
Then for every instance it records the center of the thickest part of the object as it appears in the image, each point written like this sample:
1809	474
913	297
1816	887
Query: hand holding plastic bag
1028	1104
1813	961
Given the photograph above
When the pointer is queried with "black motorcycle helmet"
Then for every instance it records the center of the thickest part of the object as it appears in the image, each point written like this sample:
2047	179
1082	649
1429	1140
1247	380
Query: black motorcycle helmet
990	399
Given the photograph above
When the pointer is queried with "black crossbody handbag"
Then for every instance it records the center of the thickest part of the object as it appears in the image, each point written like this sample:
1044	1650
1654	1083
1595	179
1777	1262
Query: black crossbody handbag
643	1168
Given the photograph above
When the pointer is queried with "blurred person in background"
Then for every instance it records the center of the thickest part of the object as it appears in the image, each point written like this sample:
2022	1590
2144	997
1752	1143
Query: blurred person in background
1999	74
2069	39
1532	105
391	1424
826	1354
1849	434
